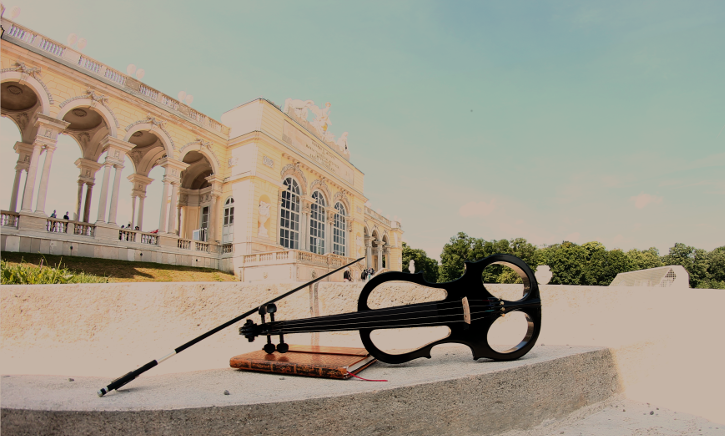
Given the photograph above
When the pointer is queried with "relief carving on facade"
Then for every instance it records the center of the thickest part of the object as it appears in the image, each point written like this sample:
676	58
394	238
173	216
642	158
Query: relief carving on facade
94	98
204	144
263	217
161	124
296	170
26	72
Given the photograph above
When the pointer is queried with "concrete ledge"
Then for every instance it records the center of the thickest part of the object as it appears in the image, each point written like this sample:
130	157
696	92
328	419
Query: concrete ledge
449	394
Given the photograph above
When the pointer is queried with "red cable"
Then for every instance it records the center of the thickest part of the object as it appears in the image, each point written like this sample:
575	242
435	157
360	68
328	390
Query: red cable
364	378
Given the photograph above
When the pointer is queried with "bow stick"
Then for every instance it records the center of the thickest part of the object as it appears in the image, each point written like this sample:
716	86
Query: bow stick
123	380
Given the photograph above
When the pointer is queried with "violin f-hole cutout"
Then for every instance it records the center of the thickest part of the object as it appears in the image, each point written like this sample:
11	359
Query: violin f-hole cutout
469	310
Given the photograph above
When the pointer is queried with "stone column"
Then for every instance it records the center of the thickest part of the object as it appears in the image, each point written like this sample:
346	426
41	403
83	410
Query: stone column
140	212
16	187
133	210
164	205
79	202
48	129
305	210
212	218
103	201
87	208
178	219
30	180
44	177
172	208
368	252
380	256
114	195
330	231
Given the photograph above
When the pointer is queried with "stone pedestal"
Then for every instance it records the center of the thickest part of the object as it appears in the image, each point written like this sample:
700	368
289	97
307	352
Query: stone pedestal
106	231
32	221
170	241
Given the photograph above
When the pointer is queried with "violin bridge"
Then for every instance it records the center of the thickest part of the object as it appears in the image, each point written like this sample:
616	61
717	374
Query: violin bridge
466	311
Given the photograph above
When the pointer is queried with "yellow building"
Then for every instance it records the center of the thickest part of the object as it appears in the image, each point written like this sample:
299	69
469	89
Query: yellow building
264	193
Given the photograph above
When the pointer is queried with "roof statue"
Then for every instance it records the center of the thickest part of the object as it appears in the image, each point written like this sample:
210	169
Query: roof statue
319	125
342	143
322	118
299	107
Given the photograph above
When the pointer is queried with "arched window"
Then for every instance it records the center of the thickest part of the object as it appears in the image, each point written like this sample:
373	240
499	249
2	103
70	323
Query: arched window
228	229
339	240
317	224
289	225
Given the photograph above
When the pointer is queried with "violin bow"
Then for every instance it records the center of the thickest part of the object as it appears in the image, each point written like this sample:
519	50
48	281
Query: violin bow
125	379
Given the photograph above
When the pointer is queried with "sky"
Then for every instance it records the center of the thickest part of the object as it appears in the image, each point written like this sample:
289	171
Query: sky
547	120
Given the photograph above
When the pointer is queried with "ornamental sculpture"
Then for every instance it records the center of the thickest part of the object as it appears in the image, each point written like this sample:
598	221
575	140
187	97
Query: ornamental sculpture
320	124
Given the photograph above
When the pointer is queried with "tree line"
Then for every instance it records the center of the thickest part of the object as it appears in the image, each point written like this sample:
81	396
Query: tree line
571	264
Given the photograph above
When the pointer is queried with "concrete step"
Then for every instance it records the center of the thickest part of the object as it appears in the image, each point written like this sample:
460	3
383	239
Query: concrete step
449	394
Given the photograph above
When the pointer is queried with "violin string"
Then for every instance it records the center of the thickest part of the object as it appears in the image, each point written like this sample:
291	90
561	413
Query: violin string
412	322
440	304
395	310
398	317
375	325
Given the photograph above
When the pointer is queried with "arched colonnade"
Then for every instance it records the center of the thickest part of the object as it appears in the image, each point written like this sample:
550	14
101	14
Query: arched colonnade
188	182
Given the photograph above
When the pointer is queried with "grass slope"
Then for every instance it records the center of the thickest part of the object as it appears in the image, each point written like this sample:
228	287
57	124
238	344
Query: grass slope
122	271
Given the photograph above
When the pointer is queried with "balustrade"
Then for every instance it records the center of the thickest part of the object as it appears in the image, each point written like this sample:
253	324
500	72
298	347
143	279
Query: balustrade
10	219
148	92
127	235
149	238
56	226
52	48
83	229
377	216
59	50
227	248
201	246
24	35
184	244
115	76
90	64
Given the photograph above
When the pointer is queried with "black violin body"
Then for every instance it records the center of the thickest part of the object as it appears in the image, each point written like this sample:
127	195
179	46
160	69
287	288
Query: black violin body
468	310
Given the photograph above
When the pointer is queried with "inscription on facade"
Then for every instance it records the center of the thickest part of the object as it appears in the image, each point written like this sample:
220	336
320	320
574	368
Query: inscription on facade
319	153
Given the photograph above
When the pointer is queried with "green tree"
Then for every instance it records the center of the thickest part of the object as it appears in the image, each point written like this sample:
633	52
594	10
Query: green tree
716	268
423	263
694	260
462	247
567	262
644	259
455	252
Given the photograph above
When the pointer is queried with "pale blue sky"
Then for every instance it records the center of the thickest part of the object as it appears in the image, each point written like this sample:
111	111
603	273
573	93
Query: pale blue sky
547	120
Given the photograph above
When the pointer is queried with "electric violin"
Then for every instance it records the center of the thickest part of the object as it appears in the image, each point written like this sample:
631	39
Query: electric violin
469	310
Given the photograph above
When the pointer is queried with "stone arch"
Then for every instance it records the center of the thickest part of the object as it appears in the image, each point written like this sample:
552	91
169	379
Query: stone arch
46	99
200	167
205	150
320	185
154	127
87	102
294	170
342	198
147	162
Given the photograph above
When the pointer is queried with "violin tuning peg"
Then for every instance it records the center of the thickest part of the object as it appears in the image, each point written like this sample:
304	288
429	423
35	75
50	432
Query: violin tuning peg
269	348
282	347
247	330
271	308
